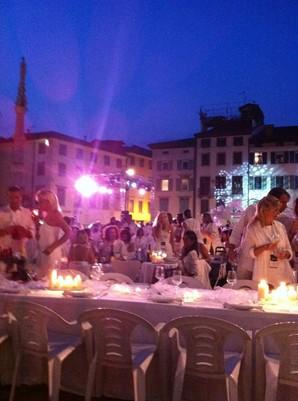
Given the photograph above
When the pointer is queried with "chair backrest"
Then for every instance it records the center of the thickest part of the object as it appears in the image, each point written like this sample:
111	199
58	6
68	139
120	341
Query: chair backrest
29	322
130	268
117	278
187	281
204	339
243	285
285	339
112	332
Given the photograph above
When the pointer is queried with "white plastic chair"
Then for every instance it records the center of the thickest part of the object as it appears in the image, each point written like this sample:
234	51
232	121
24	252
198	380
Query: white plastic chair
117	278
130	268
198	344
31	334
187	281
276	359
108	337
243	285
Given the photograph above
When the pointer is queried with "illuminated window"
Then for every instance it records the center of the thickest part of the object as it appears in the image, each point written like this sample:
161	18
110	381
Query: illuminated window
165	185
258	158
184	186
140	204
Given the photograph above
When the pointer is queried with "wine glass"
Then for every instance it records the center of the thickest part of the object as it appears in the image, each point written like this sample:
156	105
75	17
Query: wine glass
232	277
177	280
159	273
96	271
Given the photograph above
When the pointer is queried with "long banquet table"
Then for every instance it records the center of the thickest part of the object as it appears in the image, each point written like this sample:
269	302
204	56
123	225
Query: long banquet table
210	303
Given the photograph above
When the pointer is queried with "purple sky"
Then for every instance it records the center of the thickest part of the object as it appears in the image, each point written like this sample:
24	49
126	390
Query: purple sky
140	70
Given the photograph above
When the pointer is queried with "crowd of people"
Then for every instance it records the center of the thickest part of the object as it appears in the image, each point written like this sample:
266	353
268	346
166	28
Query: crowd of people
263	244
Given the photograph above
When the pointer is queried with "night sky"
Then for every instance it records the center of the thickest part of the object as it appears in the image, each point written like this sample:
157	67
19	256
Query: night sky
140	70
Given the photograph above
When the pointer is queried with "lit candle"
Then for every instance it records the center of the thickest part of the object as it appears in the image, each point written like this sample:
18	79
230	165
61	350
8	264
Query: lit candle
77	281
54	278
60	282
68	282
263	290
292	294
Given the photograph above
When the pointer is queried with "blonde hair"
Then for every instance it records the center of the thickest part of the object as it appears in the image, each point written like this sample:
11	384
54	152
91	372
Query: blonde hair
267	203
50	196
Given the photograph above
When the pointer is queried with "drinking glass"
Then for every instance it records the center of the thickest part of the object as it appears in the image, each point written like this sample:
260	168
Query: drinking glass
232	277
159	273
177	280
96	271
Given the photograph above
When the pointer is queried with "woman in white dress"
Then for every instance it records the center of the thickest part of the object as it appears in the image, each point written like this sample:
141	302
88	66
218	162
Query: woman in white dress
266	241
210	233
191	262
53	232
162	232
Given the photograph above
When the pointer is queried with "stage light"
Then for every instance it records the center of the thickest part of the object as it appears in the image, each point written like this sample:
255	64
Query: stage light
86	186
142	191
133	185
130	172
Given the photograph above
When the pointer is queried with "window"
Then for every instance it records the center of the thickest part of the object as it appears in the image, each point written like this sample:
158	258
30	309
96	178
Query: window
204	205
61	169
185	151
106	160
132	160
42	148
140	204
237	158
221	142
79	154
119	163
220	182
221	159
62	149
279	181
258	182
131	205
258	158
204	186
105	202
183	204
184	184
93	157
238	141
61	193
150	164
237	188
142	162
163	204
165	185
41	168
184	164
205	143
205	159
165	152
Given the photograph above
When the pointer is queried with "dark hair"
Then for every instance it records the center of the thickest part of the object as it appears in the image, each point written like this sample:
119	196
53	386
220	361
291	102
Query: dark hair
170	217
139	231
126	232
195	245
208	216
278	192
108	230
187	213
14	188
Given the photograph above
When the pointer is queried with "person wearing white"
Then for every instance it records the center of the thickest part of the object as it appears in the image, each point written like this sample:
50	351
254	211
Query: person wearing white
267	243
124	248
16	223
191	263
236	254
192	224
53	233
162	233
210	232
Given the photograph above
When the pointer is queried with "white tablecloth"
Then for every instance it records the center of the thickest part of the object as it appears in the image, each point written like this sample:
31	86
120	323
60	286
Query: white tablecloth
210	303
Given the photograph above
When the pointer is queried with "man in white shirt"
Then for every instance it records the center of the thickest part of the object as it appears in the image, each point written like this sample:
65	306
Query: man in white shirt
192	224
16	223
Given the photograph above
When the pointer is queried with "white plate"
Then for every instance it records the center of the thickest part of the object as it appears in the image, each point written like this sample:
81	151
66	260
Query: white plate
242	306
162	299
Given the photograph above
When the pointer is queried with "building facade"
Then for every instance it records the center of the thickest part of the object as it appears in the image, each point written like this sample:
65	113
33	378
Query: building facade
235	161
56	161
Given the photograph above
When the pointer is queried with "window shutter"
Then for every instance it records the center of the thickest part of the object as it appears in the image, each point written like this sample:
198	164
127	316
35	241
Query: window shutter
178	184
264	154
272	157
170	184
251	158
158	185
191	184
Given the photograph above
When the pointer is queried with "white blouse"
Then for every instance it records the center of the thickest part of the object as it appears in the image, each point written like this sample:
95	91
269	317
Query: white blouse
195	267
265	267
